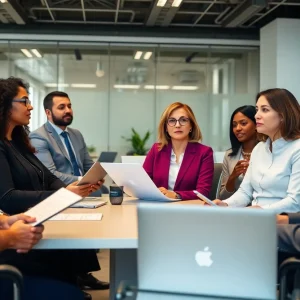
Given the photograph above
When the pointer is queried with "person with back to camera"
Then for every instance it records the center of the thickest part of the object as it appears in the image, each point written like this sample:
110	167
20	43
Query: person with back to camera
243	138
178	163
27	182
273	176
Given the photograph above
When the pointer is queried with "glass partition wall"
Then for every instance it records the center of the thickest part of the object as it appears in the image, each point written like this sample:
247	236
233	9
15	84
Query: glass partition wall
117	87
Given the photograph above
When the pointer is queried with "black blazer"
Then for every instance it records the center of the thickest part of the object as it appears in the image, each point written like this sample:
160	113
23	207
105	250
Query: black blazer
24	180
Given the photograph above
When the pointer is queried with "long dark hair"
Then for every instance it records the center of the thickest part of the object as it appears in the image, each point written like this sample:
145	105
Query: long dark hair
8	91
247	110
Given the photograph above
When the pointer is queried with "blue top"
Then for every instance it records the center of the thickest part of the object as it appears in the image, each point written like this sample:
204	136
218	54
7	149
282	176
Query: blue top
272	180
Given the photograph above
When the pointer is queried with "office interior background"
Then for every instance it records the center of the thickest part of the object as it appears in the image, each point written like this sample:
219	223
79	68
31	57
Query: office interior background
206	53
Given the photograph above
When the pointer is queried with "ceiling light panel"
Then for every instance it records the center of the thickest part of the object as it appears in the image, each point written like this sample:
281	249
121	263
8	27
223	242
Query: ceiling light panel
147	55
27	53
138	54
176	3
161	3
184	87
126	86
36	53
84	85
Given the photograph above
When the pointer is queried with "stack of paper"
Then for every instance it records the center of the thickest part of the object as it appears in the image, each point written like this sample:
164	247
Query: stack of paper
77	217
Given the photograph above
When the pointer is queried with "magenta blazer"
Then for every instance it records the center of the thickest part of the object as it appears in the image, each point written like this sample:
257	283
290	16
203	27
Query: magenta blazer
195	173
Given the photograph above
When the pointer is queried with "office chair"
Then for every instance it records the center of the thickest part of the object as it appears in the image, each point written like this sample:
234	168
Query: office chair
290	268
215	188
13	274
34	288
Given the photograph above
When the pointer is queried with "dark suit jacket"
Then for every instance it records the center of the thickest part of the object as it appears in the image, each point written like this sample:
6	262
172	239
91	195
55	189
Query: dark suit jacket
289	234
195	173
25	181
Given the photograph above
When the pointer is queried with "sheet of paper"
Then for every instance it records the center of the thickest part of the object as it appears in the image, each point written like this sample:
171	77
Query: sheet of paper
136	181
77	217
52	205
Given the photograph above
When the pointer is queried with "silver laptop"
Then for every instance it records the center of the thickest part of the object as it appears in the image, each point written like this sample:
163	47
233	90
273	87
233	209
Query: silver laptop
210	251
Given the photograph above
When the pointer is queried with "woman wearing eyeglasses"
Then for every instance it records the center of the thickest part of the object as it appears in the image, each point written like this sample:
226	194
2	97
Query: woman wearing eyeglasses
25	181
178	163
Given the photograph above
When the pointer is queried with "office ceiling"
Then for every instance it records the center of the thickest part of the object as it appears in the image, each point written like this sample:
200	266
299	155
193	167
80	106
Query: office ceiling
146	13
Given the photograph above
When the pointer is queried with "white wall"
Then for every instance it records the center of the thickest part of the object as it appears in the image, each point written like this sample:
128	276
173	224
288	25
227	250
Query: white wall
280	55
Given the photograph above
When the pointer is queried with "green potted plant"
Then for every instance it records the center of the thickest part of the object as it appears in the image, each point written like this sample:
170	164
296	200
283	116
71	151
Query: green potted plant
91	149
138	143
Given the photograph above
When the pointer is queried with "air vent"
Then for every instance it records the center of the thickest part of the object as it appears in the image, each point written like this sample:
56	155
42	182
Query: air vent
191	76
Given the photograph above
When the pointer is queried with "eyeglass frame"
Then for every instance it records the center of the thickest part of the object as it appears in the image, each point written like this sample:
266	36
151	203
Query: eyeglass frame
26	101
178	120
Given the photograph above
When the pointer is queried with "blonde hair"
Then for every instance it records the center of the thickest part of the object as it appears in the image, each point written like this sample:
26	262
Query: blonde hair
164	138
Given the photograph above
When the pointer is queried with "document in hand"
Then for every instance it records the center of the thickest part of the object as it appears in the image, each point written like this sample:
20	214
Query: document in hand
93	175
135	180
52	205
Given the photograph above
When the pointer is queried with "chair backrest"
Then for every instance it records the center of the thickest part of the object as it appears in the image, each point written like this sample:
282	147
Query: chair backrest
133	159
214	192
219	156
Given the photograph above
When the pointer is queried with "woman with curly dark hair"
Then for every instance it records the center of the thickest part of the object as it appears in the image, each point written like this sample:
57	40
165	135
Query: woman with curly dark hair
28	181
25	181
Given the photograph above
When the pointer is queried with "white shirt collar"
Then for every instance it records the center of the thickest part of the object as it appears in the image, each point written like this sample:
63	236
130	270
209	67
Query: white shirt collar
58	130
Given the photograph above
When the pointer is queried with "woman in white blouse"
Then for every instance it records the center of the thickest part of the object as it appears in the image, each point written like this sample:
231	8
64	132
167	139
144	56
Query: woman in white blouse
272	180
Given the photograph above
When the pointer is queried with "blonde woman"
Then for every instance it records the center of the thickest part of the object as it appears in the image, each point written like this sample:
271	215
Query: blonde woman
178	163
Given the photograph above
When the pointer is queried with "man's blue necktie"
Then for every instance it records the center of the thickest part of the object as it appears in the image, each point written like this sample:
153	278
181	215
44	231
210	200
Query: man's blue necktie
71	154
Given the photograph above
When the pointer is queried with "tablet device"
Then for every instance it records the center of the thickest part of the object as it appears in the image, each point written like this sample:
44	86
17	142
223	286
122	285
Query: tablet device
51	206
93	175
205	199
89	204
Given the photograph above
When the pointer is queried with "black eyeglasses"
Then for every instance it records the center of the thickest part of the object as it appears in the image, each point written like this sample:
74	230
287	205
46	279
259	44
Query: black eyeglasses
26	101
182	121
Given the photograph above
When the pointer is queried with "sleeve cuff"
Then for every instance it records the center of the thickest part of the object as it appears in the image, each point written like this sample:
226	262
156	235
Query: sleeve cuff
294	218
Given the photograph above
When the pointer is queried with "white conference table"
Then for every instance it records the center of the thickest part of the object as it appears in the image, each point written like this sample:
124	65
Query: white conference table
116	231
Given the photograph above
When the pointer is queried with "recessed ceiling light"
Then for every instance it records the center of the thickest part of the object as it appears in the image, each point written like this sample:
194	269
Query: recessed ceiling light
158	87
54	85
184	87
26	53
138	54
176	3
161	3
36	53
84	85
3	1
147	55
126	86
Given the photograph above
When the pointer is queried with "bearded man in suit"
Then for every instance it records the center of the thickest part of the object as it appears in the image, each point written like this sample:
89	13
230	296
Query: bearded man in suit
63	151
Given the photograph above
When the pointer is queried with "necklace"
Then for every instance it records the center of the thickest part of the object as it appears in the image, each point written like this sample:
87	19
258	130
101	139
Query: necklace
245	153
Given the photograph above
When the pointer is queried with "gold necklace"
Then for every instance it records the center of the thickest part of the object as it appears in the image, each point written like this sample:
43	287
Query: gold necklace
245	153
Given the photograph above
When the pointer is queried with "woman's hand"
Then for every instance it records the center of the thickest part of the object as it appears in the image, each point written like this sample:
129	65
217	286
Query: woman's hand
97	186
168	193
253	206
81	190
7	221
219	202
240	168
85	189
24	236
282	219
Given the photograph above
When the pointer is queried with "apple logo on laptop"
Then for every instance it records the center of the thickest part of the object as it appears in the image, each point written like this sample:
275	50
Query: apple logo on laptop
203	258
